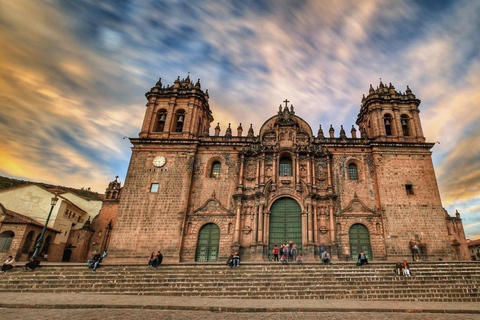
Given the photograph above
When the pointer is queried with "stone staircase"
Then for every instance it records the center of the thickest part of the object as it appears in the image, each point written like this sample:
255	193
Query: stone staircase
431	281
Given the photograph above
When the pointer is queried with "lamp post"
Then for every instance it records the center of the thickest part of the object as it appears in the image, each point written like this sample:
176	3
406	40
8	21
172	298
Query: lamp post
40	239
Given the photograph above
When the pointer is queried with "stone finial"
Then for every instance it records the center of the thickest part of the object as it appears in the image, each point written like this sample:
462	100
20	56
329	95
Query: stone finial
159	83
370	90
320	132
408	90
198	84
353	132
250	131
228	133
331	131
239	130
217	130
342	132
391	89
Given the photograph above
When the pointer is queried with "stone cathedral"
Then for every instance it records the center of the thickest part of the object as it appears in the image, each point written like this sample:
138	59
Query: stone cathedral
198	197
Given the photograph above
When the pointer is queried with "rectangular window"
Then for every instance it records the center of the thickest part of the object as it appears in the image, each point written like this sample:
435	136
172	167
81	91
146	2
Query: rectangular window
409	189
154	187
285	169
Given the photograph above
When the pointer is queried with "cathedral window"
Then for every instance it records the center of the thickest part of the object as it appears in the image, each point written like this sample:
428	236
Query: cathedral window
404	120
154	187
179	120
387	119
216	167
285	168
162	116
352	171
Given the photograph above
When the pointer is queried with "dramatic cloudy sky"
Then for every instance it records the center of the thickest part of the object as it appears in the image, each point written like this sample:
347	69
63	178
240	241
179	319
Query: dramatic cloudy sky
73	76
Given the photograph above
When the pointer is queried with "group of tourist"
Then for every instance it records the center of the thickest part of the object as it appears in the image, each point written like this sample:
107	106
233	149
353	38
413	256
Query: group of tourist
31	265
155	259
286	252
402	269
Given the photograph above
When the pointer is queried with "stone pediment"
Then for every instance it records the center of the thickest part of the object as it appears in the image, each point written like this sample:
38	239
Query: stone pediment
356	207
212	207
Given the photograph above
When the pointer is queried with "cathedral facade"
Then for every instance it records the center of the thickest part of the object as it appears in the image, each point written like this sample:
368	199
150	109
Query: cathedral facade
198	197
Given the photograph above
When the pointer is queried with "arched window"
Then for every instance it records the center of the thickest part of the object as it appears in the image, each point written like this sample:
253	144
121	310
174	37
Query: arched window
28	242
404	120
352	171
387	119
179	120
216	167
162	116
6	240
285	167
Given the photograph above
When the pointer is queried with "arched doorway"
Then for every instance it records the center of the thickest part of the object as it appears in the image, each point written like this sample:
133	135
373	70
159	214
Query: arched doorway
208	243
66	255
285	224
28	242
360	241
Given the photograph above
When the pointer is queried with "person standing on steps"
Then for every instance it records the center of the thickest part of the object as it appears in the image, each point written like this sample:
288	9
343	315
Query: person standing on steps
275	253
414	250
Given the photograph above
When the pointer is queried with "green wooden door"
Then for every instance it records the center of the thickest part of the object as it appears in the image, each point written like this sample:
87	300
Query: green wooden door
208	243
360	240
285	224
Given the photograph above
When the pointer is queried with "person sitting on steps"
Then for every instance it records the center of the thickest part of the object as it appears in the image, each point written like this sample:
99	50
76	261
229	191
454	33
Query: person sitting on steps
325	257
8	264
362	259
236	259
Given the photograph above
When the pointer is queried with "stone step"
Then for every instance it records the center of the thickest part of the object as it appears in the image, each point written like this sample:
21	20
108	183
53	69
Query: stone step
431	281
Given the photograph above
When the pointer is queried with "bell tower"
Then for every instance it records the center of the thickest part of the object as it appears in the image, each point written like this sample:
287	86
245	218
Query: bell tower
389	115
180	111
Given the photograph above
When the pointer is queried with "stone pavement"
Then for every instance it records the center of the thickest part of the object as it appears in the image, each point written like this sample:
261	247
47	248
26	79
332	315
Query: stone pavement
101	302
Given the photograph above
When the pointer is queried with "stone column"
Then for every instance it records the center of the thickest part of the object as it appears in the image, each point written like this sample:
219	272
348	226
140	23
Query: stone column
332	225
315	224
309	178
304	229
236	237
262	169
297	169
260	223
240	175
266	233
255	224
310	224
274	168
314	178
329	174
